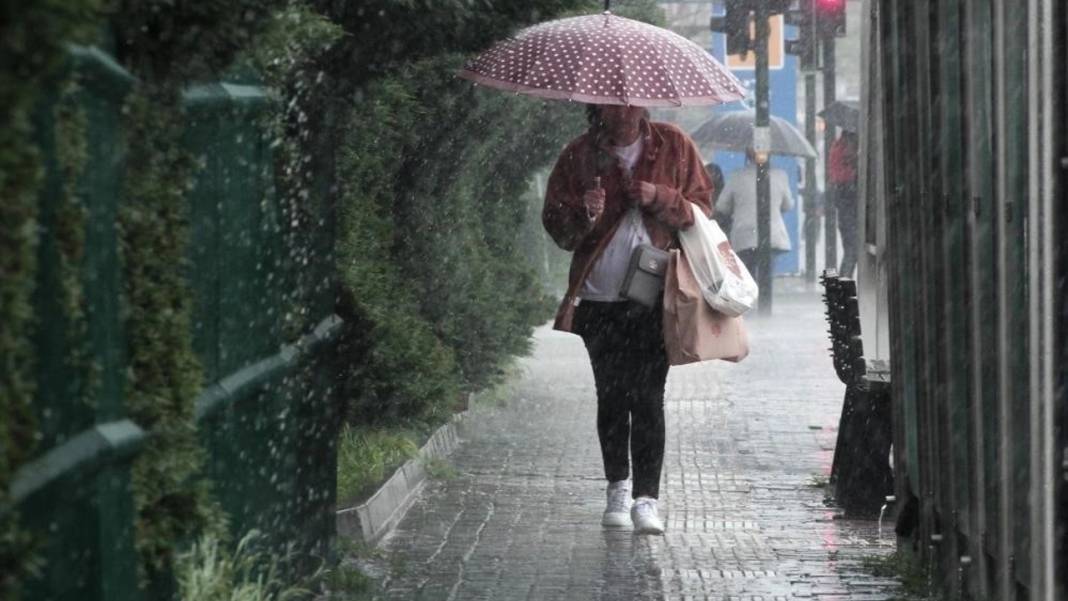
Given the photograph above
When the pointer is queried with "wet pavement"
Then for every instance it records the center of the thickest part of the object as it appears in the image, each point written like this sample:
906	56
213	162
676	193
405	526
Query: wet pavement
748	445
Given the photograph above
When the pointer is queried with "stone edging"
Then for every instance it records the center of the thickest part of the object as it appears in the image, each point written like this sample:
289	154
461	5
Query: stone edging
372	520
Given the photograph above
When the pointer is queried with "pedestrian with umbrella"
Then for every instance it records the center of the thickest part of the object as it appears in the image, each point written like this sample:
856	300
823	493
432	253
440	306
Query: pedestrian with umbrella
842	175
734	131
739	201
842	113
843	179
626	181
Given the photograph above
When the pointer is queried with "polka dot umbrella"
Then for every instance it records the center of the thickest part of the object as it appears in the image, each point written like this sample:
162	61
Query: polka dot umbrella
605	59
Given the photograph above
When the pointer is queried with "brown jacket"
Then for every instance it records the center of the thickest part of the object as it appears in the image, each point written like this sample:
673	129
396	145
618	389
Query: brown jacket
669	160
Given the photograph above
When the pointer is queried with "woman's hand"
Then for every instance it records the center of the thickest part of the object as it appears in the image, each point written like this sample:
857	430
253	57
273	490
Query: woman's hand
642	193
593	199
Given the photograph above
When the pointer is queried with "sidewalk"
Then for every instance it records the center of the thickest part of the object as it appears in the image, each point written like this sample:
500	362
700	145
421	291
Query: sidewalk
744	521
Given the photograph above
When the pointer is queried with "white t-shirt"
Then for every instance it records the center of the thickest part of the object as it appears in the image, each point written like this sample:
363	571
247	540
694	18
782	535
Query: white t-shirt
606	277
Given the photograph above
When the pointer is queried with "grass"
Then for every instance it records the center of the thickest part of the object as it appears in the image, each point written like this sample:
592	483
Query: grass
210	571
440	469
906	568
366	457
346	583
353	547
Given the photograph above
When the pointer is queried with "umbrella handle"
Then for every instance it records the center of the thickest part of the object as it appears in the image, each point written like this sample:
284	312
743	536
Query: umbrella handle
597	183
606	3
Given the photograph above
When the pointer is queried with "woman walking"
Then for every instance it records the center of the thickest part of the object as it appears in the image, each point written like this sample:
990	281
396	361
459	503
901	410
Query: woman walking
625	182
739	202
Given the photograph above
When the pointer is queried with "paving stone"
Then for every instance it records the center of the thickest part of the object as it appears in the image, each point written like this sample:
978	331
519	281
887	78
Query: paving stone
520	521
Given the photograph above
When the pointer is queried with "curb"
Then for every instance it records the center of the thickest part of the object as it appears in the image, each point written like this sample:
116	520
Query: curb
373	519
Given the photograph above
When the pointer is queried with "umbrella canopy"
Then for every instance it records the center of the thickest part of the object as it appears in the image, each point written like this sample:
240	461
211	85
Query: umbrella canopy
844	114
605	59
734	131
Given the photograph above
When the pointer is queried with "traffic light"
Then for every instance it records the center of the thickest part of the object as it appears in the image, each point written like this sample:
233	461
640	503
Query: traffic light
802	14
832	17
735	24
776	7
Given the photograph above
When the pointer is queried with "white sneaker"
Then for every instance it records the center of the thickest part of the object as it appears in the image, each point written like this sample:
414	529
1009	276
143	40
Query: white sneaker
616	514
644	516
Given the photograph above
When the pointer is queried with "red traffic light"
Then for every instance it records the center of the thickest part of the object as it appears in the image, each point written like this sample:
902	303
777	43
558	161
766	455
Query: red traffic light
832	16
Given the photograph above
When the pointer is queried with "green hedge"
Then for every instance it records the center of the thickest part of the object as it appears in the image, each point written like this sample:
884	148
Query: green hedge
171	498
165	43
387	335
431	212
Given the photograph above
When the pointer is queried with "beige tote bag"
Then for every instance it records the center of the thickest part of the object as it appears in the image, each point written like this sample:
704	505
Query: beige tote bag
693	331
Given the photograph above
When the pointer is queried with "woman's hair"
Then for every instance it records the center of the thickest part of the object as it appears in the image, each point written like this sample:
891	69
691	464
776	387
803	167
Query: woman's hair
593	116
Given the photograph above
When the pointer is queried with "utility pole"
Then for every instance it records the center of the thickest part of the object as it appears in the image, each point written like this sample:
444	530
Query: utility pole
830	211
802	14
741	38
761	145
812	201
831	23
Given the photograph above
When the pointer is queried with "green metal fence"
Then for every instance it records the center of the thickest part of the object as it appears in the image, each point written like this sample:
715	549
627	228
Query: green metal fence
972	120
267	417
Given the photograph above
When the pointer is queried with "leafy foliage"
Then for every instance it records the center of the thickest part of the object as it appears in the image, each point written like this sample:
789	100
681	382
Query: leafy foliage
172	500
389	337
430	216
291	39
284	55
385	34
167	41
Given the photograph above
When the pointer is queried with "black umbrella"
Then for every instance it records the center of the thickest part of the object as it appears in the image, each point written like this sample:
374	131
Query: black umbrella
734	131
844	114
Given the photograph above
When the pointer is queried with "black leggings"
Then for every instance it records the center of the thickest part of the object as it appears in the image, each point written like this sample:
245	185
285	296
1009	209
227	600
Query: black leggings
626	347
845	199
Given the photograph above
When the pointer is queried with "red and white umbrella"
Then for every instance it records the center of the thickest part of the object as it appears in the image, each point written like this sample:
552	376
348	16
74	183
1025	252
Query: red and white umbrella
605	59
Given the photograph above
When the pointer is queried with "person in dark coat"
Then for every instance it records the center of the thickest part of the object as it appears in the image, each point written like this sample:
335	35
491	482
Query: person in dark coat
843	176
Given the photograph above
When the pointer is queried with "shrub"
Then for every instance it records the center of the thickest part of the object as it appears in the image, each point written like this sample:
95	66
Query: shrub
429	253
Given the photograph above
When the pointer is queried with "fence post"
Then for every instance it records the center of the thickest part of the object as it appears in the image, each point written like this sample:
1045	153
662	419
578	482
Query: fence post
79	485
